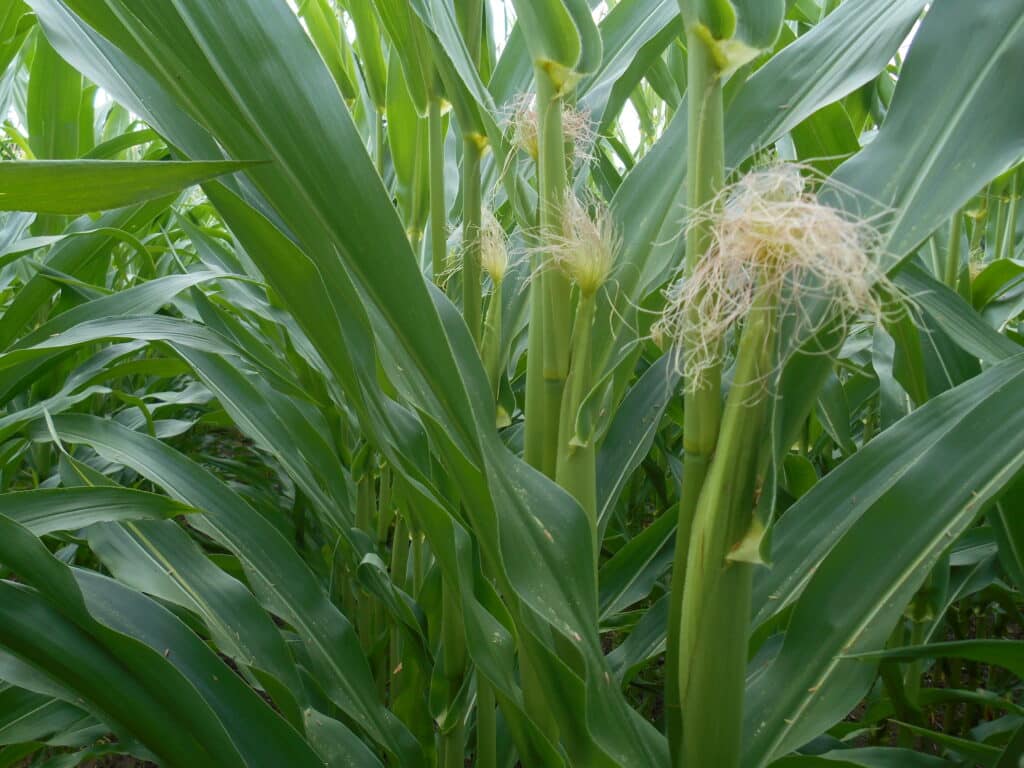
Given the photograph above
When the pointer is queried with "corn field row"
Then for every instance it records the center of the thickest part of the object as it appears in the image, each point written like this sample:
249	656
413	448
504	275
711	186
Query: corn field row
552	383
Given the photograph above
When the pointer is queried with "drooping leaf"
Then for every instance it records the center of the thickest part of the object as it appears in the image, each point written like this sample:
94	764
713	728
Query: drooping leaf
914	174
83	186
857	577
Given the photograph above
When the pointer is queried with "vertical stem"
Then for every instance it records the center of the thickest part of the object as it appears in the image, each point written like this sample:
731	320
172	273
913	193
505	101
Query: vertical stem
365	522
895	685
399	569
385	509
1000	229
486	725
974	670
953	254
299	518
471	214
912	678
1010	236
379	143
470	14
416	207
978	226
716	603
980	223
953	667
385	517
938	260
999	678
417	562
438	215
550	309
491	344
453	660
400	554
702	407
576	464
534	429
889	672
535	693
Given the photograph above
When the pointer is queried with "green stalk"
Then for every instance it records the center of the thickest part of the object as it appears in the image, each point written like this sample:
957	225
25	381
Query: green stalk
1000	229
365	508
889	672
486	713
577	464
386	515
912	677
534	431
921	613
416	223
702	407
470	15
379	142
536	695
980	223
386	511
953	255
979	220
716	603
438	215
895	685
1010	235
976	231
971	710
400	554
399	568
299	518
472	202
550	308
490	348
486	725
453	661
953	667
938	262
417	561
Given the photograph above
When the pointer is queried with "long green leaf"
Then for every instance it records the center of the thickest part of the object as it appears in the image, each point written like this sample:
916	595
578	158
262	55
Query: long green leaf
68	509
60	636
279	577
1008	654
27	716
954	316
915	173
161	560
899	530
849	48
1011	757
54	100
865	757
83	186
394	290
70	256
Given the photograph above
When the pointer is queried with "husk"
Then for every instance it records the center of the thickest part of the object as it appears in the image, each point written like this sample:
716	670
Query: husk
769	228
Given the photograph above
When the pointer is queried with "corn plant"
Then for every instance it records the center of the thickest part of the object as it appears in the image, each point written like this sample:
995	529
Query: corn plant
550	383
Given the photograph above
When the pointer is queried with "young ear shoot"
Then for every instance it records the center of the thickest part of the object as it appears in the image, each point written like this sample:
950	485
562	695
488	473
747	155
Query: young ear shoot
770	231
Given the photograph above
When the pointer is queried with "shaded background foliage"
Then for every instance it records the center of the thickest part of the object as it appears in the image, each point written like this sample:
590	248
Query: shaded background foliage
261	503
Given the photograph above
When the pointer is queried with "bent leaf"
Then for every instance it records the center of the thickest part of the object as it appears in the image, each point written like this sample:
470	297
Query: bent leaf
84	186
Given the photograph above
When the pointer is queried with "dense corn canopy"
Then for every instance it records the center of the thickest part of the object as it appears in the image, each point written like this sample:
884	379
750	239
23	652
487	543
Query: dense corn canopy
547	383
